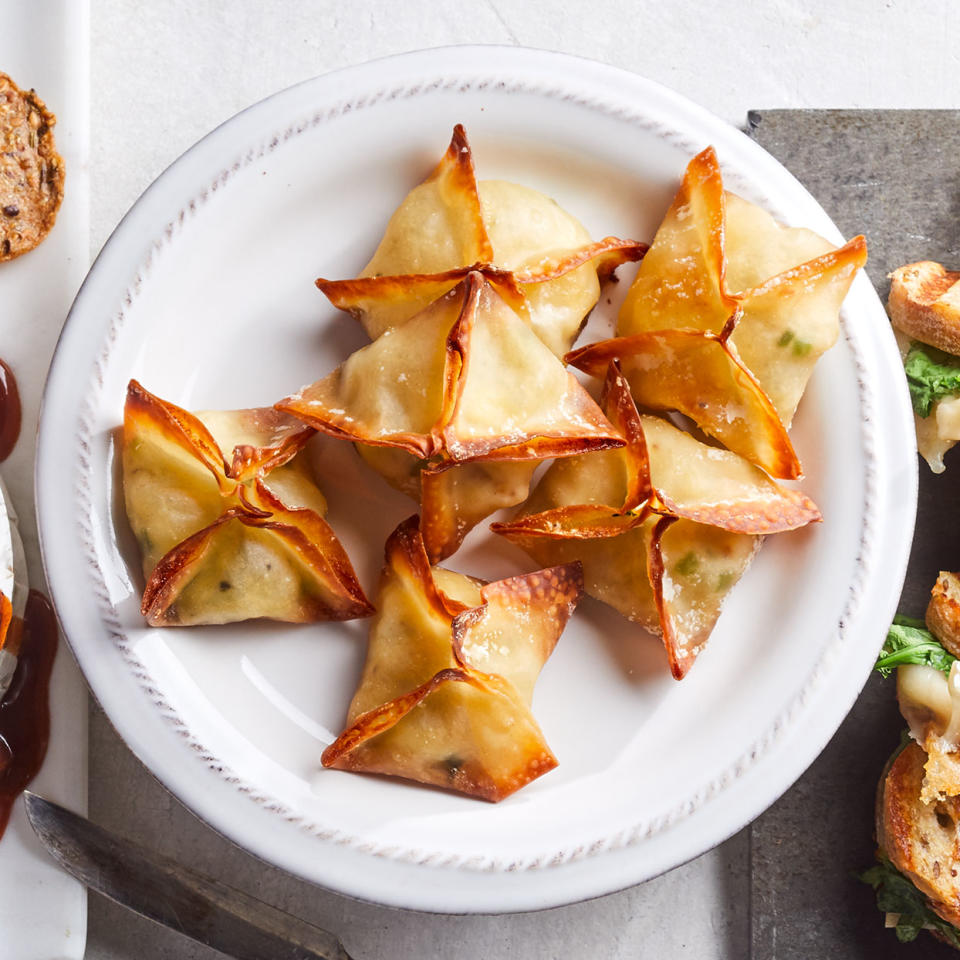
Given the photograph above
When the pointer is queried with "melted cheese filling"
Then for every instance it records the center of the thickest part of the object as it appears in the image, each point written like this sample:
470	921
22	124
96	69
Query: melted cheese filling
937	433
928	699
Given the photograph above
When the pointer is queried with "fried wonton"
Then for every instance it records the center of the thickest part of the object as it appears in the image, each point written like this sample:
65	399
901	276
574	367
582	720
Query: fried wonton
747	304
457	405
716	253
540	258
445	694
228	519
664	526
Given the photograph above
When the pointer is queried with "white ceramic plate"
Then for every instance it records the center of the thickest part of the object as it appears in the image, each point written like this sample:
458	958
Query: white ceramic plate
205	294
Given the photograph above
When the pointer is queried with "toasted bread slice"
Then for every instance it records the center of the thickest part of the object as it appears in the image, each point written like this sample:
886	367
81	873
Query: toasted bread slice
943	611
942	769
921	840
925	304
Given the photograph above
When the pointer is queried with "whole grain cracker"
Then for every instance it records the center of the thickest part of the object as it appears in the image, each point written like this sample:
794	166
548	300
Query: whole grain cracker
31	170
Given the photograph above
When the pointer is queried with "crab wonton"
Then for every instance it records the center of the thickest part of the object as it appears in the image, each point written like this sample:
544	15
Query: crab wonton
541	259
749	305
445	694
224	538
457	405
664	526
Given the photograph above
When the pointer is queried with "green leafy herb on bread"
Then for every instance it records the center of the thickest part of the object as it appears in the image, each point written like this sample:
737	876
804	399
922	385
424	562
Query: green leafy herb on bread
909	641
897	896
931	375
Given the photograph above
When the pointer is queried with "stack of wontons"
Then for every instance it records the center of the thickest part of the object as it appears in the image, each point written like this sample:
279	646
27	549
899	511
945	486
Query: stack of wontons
472	301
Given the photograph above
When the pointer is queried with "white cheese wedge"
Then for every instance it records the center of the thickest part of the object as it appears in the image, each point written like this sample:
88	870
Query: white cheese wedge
929	697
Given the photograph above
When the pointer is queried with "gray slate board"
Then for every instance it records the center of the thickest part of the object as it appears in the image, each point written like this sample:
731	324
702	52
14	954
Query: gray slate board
895	177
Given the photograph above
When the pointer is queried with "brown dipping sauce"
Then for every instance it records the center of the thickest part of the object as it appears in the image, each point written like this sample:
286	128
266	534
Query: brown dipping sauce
9	411
25	710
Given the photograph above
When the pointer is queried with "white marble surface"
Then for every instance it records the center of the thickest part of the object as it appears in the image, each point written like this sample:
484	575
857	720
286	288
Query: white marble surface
44	44
163	74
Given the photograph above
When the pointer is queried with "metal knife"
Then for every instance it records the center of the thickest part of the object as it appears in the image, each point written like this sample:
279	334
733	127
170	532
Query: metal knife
169	894
13	585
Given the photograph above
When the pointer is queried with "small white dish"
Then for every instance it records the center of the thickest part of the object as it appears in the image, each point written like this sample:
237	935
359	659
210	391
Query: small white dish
205	294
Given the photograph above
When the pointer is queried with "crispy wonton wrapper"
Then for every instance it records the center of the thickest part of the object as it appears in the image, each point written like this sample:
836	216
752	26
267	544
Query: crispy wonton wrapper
540	258
446	690
664	527
457	405
224	538
700	375
727	317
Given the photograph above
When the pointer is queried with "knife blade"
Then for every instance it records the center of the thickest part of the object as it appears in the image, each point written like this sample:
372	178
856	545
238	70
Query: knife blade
170	894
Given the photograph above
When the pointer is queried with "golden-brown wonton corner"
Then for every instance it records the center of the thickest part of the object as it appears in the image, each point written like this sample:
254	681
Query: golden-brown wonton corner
664	527
228	519
445	694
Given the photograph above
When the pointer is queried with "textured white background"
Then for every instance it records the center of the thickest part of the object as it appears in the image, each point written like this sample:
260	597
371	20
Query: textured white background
164	73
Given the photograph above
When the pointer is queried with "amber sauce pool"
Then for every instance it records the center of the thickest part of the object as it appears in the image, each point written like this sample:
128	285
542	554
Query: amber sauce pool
25	710
9	411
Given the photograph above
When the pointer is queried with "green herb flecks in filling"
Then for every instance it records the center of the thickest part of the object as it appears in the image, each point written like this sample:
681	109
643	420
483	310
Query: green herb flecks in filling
725	581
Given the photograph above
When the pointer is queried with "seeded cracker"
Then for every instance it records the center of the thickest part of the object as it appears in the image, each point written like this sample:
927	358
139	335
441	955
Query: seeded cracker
31	170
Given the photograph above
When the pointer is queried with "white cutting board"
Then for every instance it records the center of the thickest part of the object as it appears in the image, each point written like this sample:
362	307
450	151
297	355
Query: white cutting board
45	44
